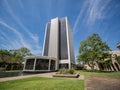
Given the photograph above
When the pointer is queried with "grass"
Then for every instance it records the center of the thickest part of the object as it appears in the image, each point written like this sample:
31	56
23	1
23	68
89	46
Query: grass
111	74
37	83
13	70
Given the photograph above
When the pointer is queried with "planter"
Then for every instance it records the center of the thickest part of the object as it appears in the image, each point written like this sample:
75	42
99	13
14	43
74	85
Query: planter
67	75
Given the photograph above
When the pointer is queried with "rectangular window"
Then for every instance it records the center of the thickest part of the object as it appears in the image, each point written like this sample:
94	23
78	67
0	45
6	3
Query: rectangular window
61	66
52	65
42	64
63	49
29	64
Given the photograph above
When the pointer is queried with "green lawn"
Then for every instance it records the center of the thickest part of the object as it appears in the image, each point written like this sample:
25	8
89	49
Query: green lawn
37	83
111	74
13	71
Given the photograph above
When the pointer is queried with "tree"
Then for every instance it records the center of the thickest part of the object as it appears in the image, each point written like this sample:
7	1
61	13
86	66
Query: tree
24	51
14	57
19	54
93	50
4	55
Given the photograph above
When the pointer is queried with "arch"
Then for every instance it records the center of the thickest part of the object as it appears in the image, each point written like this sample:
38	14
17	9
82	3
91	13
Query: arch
117	66
113	67
101	67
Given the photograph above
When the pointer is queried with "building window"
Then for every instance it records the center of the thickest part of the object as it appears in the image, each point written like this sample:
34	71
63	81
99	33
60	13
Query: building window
42	64
52	65
63	49
29	64
61	66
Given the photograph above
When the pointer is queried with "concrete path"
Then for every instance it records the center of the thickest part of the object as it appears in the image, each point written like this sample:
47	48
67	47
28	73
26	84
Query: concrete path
102	83
46	75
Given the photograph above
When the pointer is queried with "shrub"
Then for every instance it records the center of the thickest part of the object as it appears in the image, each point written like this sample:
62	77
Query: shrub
71	71
66	71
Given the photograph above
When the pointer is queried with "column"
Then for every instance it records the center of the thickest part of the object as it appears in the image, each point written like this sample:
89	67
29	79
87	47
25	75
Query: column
49	64
34	64
25	64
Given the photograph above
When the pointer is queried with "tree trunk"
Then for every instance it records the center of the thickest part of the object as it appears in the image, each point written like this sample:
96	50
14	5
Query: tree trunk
91	64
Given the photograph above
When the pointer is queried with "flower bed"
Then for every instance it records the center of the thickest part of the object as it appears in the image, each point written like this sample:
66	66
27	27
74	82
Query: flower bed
68	73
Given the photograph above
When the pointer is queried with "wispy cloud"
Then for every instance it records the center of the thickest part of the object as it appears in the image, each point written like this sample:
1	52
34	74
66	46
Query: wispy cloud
91	11
18	41
21	4
96	10
34	37
76	23
79	17
4	38
18	34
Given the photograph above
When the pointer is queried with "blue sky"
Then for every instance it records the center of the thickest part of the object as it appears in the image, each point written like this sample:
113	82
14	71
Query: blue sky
22	22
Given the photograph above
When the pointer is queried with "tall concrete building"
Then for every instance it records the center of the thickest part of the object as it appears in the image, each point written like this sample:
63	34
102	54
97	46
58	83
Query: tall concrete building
57	49
58	42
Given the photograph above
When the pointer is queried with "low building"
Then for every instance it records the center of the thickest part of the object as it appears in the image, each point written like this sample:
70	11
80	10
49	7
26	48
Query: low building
113	65
39	64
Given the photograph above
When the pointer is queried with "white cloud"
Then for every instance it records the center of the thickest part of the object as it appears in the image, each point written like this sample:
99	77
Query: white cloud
82	10
4	38
18	34
96	10
90	11
76	23
34	38
21	4
19	41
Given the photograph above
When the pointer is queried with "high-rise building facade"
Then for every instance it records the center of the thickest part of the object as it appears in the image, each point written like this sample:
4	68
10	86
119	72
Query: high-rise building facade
57	49
58	43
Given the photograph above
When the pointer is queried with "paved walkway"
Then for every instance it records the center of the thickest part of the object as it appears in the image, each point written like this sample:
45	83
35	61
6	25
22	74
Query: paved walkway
102	83
47	75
